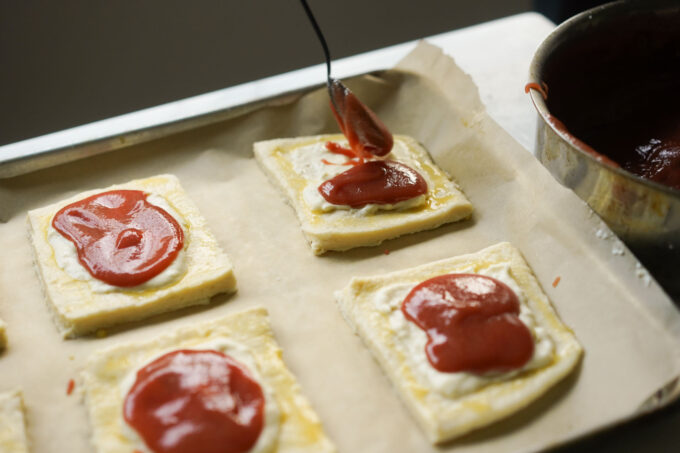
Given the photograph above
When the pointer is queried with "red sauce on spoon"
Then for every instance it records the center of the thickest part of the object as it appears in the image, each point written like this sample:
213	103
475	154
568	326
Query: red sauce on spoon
366	134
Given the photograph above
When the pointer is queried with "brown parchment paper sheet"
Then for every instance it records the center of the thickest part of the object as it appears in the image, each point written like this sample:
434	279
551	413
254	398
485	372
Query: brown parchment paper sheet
628	327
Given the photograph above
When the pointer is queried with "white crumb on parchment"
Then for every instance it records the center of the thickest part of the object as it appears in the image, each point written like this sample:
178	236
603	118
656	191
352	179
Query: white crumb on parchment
642	274
605	234
602	233
617	249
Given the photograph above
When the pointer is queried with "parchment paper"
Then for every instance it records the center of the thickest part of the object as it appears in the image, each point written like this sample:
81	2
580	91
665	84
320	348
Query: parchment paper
629	328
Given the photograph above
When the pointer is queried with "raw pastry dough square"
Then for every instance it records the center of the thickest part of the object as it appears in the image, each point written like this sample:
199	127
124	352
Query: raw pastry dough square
374	311
300	430
13	437
78	309
294	166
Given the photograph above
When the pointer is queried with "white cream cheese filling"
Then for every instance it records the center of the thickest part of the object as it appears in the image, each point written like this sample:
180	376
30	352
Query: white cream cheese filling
410	340
307	162
268	438
66	256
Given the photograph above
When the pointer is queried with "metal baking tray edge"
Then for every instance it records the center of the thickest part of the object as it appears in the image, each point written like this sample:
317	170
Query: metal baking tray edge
148	124
141	126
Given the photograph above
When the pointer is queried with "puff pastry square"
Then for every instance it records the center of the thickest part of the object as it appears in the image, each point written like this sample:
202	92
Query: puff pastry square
448	405
295	166
299	428
13	437
78	309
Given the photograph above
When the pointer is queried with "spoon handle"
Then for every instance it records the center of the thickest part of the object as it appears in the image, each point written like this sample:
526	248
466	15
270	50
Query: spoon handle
366	134
319	34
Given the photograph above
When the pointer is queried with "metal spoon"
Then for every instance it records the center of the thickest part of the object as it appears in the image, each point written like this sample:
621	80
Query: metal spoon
367	135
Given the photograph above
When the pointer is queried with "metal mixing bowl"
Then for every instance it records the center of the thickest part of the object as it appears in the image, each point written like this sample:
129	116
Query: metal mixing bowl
599	66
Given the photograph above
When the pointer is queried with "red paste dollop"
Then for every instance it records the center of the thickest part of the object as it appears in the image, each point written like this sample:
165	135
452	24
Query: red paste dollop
121	238
471	322
195	401
377	181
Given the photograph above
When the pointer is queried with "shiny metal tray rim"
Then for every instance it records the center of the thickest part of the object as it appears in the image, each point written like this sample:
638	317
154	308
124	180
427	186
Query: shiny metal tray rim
155	122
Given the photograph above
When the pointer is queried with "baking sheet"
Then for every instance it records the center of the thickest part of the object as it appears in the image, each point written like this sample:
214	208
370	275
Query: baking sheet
628	327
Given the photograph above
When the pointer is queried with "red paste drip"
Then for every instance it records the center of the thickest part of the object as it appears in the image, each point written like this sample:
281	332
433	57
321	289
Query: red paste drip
121	238
471	322
195	401
366	134
354	158
378	181
542	88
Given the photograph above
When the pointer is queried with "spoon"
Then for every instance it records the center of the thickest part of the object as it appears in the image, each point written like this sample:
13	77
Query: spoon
366	134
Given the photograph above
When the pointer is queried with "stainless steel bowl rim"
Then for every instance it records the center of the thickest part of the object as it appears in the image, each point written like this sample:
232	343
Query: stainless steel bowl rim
540	104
